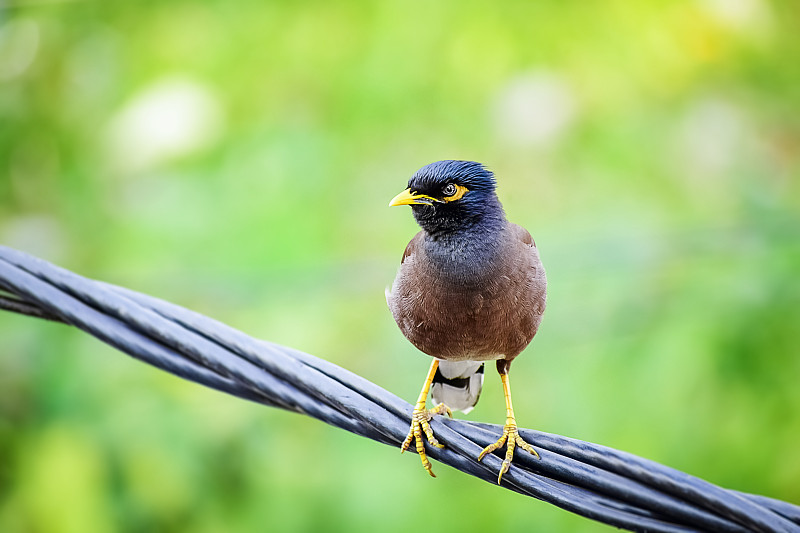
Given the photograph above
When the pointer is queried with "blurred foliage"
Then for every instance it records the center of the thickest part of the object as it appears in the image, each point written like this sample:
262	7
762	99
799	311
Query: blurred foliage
237	158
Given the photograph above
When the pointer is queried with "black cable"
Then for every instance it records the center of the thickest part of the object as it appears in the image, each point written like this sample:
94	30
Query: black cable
600	483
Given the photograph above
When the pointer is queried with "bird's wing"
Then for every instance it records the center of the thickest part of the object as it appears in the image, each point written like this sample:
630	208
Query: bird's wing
522	234
536	275
411	248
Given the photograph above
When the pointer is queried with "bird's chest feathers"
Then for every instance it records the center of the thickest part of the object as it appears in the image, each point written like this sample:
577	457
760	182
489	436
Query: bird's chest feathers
460	300
465	260
458	284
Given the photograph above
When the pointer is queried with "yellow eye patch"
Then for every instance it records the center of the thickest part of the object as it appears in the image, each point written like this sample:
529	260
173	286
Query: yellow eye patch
460	191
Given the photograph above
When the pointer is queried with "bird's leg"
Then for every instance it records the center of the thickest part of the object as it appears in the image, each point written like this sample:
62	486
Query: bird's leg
510	432
420	421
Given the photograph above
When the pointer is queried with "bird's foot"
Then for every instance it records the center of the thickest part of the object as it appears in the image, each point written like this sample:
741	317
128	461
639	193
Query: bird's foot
420	423
510	434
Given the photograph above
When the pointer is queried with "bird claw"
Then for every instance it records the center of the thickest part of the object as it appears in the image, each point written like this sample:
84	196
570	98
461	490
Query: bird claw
512	436
420	423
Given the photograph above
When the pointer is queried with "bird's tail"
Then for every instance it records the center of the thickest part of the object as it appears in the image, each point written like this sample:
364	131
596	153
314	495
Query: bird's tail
457	384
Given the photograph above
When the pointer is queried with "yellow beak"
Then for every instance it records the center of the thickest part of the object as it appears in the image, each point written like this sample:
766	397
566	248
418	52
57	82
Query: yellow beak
408	198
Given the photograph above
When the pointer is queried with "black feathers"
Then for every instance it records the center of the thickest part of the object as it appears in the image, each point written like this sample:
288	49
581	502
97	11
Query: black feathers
431	178
477	209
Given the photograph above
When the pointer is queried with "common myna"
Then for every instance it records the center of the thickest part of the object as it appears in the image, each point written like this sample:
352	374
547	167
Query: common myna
470	289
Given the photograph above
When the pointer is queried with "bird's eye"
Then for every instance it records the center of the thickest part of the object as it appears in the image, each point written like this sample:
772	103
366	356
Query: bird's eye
449	190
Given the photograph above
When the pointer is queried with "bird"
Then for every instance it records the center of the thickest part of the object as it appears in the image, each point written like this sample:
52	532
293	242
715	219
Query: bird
470	288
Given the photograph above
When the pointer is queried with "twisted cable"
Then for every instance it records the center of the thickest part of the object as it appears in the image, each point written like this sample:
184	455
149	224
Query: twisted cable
594	481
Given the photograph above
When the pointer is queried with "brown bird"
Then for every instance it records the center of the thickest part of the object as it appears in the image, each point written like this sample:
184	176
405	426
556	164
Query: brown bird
470	289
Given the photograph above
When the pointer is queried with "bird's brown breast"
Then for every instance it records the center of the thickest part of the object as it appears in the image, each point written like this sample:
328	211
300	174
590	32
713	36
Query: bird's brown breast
491	316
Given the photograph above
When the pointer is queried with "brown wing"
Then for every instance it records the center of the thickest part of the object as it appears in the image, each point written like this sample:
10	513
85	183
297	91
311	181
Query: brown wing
523	235
411	248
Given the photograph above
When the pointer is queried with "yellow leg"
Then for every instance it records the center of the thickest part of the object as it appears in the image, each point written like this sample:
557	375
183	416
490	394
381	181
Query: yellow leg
510	433
420	419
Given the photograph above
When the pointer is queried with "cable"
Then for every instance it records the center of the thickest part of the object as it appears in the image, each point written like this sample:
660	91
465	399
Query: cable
594	481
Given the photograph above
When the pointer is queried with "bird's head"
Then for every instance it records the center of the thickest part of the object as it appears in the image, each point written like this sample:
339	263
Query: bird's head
449	195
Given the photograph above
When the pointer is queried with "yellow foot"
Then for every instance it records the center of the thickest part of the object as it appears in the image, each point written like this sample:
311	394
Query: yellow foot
511	435
420	424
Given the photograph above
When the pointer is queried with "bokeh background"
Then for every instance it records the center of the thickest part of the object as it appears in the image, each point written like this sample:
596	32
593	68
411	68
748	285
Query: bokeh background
237	157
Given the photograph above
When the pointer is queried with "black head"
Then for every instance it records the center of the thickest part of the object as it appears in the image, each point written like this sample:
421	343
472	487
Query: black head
451	195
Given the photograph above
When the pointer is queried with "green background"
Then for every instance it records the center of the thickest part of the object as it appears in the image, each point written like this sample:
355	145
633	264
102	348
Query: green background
236	157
